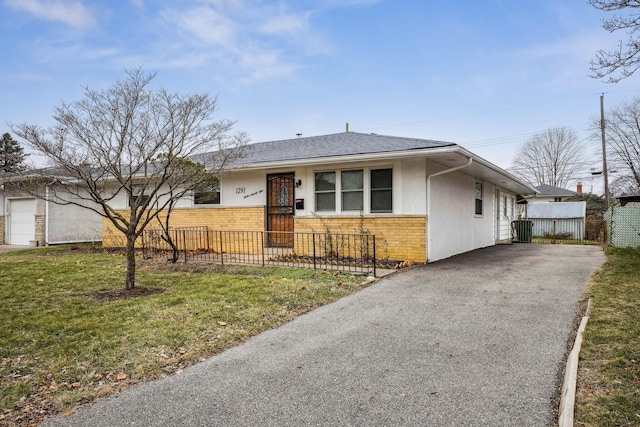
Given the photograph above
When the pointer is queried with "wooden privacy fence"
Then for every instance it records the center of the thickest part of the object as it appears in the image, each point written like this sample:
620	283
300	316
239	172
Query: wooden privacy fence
326	251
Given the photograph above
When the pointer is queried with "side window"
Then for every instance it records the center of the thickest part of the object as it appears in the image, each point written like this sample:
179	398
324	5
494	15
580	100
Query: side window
381	190
478	198
207	196
325	191
140	192
504	206
352	185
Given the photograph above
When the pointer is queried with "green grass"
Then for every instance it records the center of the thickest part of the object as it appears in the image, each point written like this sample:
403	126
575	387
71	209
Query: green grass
609	372
61	345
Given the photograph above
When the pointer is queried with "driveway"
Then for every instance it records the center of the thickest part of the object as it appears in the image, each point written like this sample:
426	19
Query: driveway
476	340
12	248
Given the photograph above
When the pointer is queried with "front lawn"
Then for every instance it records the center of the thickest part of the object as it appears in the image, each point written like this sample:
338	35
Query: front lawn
609	368
68	338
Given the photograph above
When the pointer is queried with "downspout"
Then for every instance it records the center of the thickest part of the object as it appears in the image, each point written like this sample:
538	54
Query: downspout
46	215
442	172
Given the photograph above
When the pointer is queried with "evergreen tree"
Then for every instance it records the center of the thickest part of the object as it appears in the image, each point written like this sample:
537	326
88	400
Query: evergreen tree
11	155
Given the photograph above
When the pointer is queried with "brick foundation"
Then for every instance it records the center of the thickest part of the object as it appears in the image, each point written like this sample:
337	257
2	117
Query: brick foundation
246	219
397	237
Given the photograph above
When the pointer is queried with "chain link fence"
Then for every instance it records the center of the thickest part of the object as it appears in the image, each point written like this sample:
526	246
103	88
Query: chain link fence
623	226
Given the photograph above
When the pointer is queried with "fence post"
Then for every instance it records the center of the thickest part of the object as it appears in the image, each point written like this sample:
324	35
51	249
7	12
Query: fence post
313	238
221	247
184	244
262	246
374	255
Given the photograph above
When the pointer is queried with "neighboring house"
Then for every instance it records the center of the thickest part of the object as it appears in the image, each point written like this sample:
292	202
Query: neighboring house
557	219
549	193
29	220
633	200
424	200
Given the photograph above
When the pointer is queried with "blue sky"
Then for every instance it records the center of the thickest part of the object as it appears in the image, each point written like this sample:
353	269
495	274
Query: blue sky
484	74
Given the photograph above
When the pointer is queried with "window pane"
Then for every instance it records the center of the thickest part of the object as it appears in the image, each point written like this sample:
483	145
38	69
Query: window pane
325	181
352	201
478	206
139	193
381	201
478	190
211	197
325	201
352	180
381	178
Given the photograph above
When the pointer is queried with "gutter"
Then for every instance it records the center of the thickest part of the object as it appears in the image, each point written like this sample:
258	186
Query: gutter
442	172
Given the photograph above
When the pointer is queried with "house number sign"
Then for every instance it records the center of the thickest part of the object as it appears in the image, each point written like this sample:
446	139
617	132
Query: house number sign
243	190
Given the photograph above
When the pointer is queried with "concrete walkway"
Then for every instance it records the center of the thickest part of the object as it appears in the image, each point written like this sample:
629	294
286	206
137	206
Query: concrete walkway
476	340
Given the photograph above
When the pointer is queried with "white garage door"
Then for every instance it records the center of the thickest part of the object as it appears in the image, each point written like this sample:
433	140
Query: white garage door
22	222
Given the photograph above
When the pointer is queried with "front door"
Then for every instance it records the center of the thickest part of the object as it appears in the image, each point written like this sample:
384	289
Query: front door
280	210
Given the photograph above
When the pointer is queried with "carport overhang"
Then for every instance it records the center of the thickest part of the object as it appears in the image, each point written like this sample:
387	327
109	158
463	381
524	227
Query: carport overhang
458	157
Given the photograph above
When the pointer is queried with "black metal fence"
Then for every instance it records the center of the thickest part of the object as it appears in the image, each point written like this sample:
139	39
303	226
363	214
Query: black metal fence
571	231
354	253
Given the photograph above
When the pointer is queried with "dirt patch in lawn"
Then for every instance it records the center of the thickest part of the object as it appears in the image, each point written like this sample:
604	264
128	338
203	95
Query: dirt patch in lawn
121	293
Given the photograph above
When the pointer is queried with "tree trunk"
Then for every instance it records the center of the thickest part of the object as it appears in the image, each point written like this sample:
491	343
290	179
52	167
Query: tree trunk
131	261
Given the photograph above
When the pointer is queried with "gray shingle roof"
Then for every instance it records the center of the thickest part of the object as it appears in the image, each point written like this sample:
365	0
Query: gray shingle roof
550	190
338	144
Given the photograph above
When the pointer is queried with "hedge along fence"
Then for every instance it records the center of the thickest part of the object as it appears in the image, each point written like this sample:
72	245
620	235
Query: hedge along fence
335	251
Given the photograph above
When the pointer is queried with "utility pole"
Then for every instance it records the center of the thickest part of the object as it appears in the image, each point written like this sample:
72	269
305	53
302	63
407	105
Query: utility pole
604	155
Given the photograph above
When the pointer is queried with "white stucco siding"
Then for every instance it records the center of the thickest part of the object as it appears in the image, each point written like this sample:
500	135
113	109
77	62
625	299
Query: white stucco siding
505	213
412	188
453	226
72	223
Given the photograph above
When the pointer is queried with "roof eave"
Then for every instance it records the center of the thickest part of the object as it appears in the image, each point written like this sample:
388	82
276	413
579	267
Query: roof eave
348	158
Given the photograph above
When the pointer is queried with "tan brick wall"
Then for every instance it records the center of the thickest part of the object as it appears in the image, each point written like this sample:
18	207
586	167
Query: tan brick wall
397	237
2	238
40	230
247	219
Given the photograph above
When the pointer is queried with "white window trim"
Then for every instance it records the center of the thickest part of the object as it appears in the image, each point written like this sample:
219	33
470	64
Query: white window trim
366	191
475	198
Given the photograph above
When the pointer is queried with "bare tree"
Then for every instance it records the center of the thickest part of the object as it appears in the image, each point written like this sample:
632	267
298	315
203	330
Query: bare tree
132	139
625	59
622	132
201	181
553	157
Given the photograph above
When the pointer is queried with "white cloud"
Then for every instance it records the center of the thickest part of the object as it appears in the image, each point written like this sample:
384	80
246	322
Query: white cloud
264	65
255	39
286	24
206	24
72	13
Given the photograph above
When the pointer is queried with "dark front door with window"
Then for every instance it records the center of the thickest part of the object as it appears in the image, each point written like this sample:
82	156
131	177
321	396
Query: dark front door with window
280	210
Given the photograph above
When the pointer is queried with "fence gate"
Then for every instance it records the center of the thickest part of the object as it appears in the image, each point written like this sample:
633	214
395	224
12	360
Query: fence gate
280	211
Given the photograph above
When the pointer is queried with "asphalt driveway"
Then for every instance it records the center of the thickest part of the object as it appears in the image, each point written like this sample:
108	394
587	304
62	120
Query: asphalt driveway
476	340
